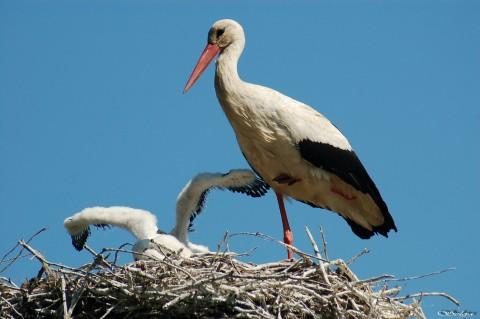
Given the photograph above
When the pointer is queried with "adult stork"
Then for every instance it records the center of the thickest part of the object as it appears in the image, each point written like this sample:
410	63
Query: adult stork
143	224
291	146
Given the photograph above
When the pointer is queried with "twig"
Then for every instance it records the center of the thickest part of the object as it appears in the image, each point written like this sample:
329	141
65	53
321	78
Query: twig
426	294
107	312
344	268
324	243
160	261
387	277
314	244
12	307
37	255
422	276
10	282
19	253
99	256
375	279
12	260
317	253
175	300
267	237
292	265
79	293
116	253
360	254
224	241
64	299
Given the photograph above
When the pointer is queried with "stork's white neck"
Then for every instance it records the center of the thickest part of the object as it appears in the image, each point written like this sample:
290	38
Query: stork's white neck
226	74
186	203
181	227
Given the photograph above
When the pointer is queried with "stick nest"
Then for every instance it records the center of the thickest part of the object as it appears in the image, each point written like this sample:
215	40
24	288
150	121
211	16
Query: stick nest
215	285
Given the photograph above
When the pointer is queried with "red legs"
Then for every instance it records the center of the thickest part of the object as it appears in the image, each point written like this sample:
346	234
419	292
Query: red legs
287	233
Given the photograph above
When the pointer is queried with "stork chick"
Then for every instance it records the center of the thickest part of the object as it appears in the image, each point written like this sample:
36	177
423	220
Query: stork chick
143	224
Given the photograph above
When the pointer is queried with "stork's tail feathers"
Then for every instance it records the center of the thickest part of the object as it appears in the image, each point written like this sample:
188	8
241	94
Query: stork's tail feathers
365	233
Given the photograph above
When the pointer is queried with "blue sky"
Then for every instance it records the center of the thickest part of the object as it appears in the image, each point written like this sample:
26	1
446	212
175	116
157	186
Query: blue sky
92	113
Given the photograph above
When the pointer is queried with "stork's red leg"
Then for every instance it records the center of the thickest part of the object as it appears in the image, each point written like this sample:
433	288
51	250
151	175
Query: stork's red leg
287	233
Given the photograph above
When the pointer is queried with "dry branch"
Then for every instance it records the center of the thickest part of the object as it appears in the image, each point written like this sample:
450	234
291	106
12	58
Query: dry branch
215	285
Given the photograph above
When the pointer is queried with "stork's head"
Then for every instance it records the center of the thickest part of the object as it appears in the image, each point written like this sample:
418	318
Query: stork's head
223	34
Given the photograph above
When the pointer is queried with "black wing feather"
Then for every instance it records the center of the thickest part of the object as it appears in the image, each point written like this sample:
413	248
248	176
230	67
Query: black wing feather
79	240
198	209
347	166
257	188
103	226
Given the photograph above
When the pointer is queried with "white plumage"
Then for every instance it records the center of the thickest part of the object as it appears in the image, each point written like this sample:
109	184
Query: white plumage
294	148
193	195
140	223
143	224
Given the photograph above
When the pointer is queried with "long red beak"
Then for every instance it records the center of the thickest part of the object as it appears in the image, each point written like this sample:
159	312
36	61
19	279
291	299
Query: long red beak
208	54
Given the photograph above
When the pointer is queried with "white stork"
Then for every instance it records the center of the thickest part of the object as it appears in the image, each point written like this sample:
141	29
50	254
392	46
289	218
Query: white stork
291	146
143	224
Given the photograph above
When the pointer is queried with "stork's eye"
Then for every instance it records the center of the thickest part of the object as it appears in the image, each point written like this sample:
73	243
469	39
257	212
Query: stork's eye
220	32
